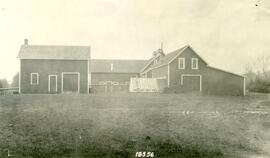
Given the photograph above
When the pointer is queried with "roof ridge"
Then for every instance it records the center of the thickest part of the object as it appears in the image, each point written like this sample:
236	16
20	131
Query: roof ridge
33	45
163	59
178	49
120	66
121	59
54	52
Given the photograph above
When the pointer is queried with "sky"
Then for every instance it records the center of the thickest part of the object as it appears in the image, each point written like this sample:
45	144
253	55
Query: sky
228	34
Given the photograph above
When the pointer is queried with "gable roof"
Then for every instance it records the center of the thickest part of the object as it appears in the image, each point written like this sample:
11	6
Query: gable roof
188	46
147	64
167	59
54	52
164	60
119	66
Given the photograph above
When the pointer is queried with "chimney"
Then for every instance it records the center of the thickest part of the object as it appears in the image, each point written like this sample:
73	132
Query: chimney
26	42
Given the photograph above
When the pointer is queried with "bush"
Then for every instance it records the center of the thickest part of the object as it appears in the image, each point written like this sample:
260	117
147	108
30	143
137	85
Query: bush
4	83
259	85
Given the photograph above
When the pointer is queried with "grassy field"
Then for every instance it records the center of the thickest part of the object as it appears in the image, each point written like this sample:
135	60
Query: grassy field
119	125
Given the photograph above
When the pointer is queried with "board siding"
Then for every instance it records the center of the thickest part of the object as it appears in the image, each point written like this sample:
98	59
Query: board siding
213	81
122	78
51	67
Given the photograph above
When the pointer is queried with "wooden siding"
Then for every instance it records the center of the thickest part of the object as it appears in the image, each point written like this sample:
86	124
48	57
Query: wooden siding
213	81
223	83
149	74
122	79
51	67
175	73
160	72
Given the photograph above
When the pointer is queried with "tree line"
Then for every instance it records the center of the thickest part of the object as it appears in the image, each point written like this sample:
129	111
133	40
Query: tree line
15	82
258	75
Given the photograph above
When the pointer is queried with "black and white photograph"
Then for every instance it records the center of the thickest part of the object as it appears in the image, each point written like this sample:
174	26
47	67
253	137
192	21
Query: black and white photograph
135	79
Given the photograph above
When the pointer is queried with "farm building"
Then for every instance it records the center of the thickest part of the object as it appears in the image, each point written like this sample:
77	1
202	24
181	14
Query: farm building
113	75
185	71
53	69
66	69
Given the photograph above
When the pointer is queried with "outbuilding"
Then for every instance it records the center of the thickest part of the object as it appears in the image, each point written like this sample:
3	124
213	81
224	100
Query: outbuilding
54	69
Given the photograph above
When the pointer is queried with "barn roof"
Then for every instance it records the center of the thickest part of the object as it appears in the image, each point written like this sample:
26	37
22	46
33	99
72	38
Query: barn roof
168	58
164	60
118	66
54	52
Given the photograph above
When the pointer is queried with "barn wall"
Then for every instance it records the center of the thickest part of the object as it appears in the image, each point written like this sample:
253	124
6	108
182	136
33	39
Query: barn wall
160	72
149	74
51	67
214	81
223	83
116	77
175	73
122	78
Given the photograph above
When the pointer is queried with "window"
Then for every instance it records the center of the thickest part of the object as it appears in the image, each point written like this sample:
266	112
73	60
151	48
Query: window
194	63
34	78
181	63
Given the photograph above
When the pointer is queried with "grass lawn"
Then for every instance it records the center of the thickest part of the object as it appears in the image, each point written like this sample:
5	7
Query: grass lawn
119	125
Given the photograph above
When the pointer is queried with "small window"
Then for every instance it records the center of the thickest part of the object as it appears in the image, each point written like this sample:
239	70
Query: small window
194	63
34	78
181	63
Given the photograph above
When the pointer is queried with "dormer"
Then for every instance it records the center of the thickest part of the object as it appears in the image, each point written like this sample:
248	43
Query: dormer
158	55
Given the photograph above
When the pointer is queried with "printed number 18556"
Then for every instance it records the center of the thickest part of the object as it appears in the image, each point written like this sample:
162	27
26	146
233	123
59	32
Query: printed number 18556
144	154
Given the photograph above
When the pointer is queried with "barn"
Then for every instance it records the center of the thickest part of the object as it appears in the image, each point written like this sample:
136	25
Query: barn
69	69
185	71
113	75
53	69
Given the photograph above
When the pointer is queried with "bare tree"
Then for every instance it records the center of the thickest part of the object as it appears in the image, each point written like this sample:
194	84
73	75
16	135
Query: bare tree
249	68
249	73
262	66
258	74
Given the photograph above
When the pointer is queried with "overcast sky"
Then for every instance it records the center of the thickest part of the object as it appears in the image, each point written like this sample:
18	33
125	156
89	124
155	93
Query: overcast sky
226	33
